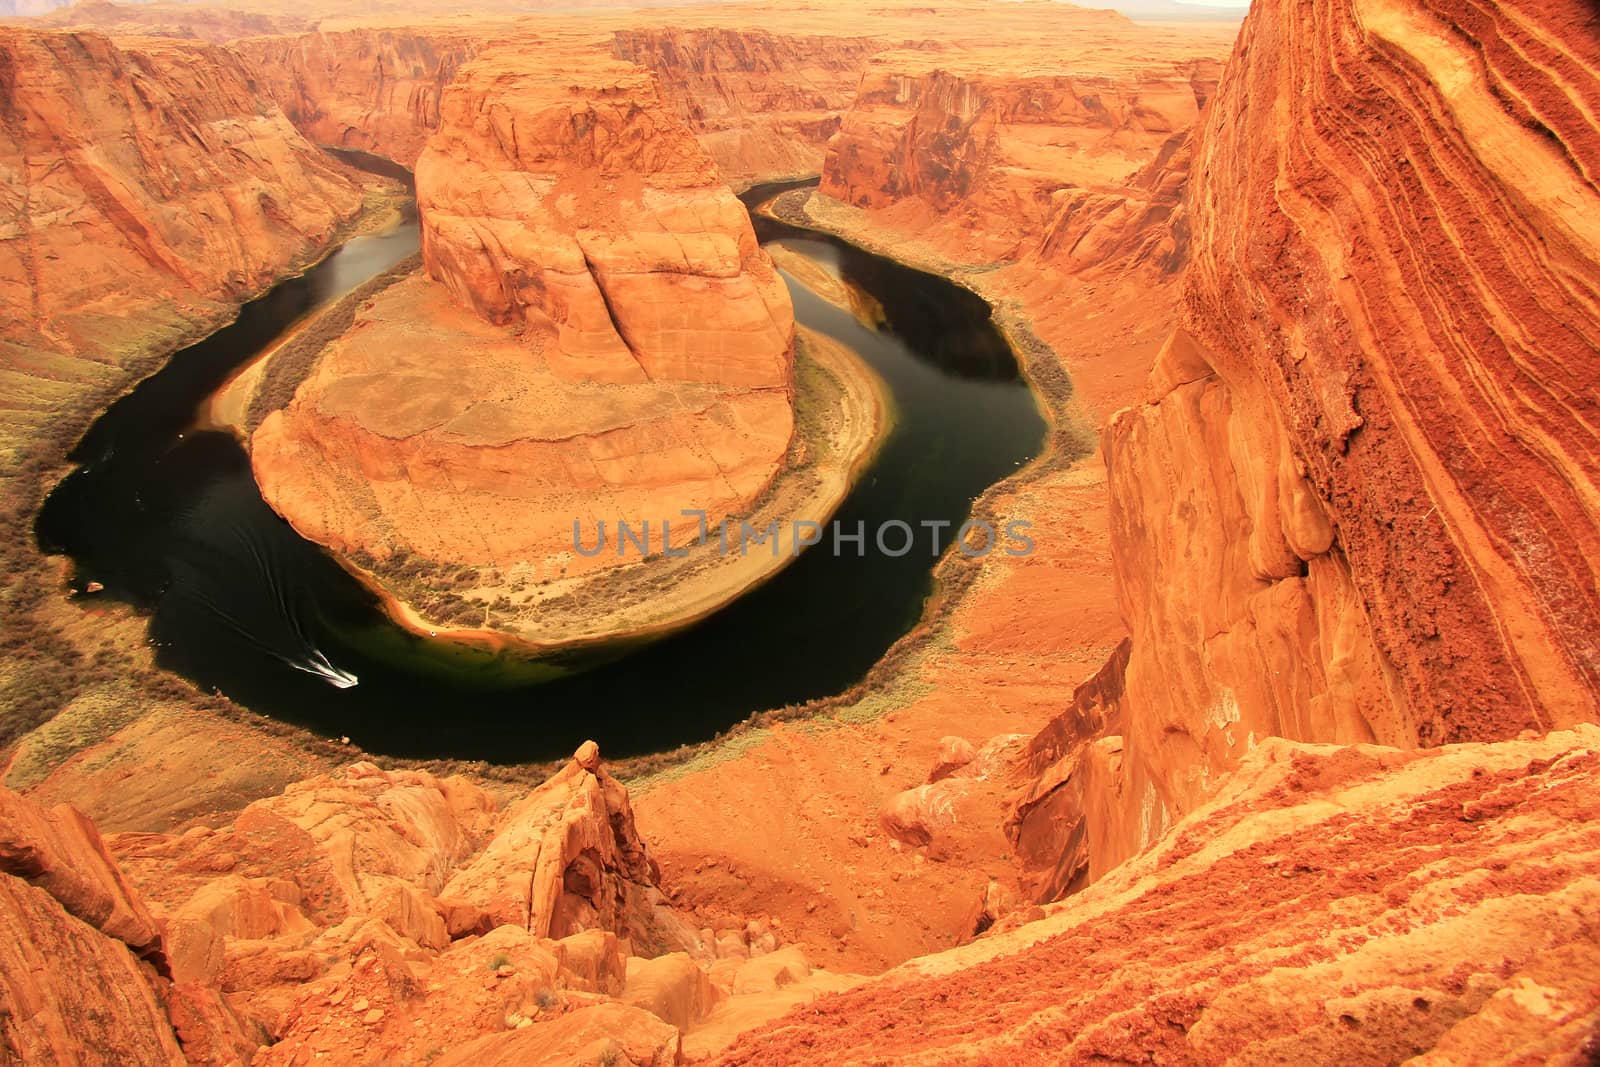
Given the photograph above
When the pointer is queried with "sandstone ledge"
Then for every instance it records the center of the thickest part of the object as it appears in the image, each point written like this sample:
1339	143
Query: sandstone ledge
843	414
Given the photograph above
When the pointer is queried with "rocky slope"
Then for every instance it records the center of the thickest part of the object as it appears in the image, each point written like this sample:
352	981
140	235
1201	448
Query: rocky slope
618	346
146	189
1143	223
78	966
763	104
1330	905
377	90
368	914
1355	503
989	151
142	180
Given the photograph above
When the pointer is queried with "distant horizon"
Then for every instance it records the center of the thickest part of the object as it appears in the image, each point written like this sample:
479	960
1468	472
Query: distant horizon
1181	10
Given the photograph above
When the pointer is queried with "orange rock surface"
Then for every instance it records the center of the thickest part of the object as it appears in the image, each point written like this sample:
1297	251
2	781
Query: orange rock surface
568	859
1372	508
72	994
648	371
763	104
367	914
986	151
377	90
576	198
75	932
145	181
490	456
791	828
1329	905
60	851
1350	321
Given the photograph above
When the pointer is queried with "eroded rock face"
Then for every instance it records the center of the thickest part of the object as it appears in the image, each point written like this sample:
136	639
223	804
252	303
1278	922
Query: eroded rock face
145	181
377	90
1354	504
1071	824
59	850
577	198
605	339
377	913
82	961
1330	905
997	154
329	848
763	104
71	993
568	858
1144	223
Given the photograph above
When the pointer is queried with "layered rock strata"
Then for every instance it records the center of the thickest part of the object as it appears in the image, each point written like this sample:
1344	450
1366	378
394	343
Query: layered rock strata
993	151
1400	904
71	978
763	104
377	90
145	181
589	206
1356	503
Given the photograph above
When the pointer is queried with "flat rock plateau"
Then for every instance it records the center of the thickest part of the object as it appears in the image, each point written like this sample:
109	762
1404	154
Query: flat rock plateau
1282	747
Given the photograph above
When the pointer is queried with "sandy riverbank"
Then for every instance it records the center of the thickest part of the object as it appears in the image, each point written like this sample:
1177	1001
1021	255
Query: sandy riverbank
230	405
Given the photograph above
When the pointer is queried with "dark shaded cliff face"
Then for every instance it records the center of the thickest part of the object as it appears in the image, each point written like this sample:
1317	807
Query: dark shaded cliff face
1358	500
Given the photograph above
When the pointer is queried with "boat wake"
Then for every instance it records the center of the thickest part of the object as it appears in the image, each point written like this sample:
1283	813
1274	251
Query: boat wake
319	665
270	621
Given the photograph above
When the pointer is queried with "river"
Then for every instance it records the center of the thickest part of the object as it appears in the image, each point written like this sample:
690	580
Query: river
168	517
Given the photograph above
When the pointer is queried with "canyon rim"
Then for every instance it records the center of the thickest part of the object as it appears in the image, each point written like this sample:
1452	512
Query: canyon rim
322	740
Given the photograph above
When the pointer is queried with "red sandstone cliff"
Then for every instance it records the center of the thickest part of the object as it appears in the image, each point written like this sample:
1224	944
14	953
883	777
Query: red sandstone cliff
145	184
1144	222
373	89
989	152
1356	503
605	338
763	104
575	197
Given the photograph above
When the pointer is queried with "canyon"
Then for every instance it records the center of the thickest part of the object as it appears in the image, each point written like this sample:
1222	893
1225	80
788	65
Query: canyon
1280	748
642	363
158	193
